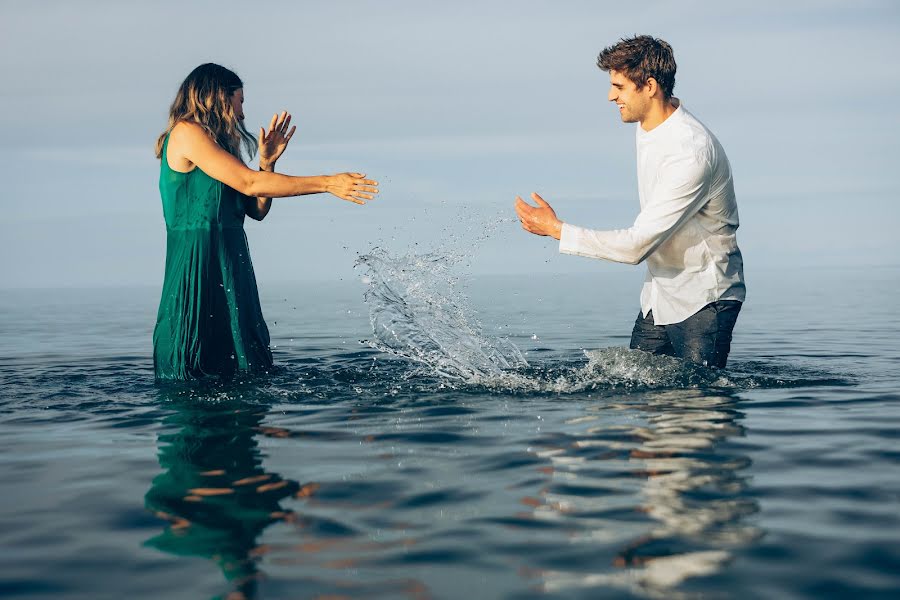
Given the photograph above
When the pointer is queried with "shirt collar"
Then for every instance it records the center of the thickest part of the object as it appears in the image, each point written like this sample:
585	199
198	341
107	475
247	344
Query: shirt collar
665	125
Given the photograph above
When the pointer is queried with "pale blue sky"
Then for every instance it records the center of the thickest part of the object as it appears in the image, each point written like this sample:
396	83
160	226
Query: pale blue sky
455	108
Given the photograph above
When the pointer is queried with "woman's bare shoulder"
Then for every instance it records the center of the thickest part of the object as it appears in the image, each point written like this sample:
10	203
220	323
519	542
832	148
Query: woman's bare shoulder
188	130
182	138
188	135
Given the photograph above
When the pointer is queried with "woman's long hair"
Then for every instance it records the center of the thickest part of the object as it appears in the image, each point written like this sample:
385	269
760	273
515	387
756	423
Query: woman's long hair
204	98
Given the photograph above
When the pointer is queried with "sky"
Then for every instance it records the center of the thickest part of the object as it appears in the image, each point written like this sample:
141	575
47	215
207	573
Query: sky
455	108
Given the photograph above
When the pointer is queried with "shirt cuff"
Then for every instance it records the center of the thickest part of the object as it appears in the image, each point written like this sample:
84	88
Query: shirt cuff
569	239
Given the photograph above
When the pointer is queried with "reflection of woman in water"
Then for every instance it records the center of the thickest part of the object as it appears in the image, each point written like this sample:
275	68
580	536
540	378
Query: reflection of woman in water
213	491
209	320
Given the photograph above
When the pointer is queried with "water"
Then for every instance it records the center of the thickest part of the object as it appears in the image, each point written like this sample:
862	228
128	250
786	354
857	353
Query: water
428	435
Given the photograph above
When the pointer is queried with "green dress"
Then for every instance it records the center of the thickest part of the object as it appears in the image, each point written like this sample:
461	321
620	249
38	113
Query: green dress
210	322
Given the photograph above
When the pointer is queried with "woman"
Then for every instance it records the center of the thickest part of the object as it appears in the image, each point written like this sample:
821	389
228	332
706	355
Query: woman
209	321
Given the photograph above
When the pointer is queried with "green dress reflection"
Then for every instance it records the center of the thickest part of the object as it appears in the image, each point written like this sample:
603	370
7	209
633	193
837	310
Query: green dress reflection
210	322
214	492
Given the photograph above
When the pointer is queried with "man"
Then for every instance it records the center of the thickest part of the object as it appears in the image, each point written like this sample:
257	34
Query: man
686	227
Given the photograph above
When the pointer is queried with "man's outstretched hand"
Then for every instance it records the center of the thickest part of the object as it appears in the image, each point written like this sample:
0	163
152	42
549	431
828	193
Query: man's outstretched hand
540	219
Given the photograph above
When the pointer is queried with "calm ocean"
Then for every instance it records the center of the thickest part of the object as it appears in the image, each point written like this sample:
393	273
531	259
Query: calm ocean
426	435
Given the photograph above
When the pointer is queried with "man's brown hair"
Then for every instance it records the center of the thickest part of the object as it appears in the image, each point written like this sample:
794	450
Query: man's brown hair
640	58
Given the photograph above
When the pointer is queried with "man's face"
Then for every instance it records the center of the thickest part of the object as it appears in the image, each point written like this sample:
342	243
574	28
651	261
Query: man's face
633	102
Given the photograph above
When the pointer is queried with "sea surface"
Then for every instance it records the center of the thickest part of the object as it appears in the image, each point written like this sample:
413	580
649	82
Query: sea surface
431	435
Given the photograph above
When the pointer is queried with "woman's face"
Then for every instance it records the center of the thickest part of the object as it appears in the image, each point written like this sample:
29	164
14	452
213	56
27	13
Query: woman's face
237	102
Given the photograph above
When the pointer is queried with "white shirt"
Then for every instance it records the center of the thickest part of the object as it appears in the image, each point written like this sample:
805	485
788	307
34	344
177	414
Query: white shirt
686	228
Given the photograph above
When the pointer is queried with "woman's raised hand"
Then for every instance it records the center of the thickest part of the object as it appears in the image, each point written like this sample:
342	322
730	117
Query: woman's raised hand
352	186
273	143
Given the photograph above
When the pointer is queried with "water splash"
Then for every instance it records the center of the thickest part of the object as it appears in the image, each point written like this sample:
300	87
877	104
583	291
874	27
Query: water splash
417	312
606	369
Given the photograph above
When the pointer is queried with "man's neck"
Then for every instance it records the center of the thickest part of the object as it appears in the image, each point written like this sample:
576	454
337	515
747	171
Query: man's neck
659	112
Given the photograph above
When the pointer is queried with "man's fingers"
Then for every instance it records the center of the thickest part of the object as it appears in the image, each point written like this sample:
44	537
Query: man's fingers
290	133
273	122
262	135
523	209
539	200
287	122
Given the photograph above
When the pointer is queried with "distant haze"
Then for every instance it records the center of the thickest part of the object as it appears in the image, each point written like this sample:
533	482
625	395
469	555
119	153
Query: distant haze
455	107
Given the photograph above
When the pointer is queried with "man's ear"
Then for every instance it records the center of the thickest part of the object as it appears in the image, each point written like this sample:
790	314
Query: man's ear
652	86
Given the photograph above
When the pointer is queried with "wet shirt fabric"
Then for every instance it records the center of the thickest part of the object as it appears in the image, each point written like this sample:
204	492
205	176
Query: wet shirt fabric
209	322
686	228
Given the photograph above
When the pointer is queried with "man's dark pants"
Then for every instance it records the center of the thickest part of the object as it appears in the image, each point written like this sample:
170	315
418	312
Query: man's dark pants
703	338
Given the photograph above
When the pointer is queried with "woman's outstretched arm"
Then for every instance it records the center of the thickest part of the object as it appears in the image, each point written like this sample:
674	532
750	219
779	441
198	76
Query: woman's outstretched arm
190	142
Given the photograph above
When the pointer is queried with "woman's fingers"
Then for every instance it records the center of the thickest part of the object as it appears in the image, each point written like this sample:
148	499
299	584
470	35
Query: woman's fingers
279	125
354	188
364	191
357	198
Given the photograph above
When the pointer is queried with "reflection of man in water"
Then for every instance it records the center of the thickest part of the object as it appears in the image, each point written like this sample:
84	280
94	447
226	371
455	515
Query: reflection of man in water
692	491
686	227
